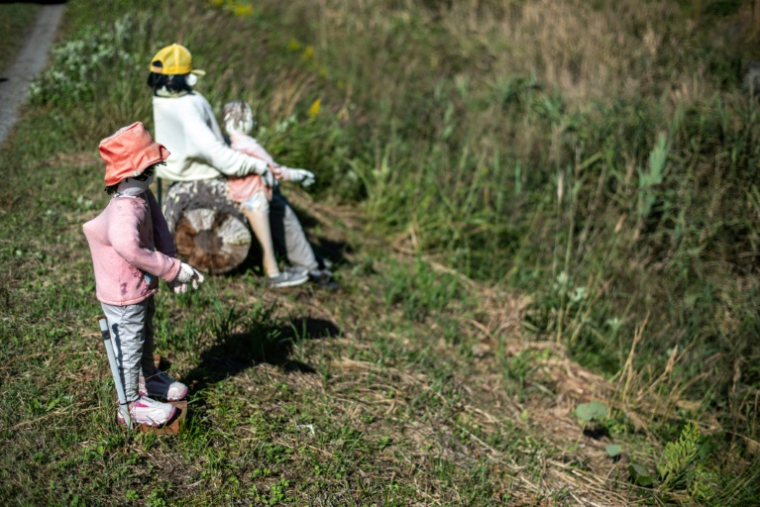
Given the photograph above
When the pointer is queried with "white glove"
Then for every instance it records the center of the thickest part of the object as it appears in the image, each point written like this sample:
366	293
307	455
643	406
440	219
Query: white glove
187	275
305	177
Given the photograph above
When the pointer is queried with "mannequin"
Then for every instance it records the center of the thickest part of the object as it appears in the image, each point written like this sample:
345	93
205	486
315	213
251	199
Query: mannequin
257	199
251	191
131	249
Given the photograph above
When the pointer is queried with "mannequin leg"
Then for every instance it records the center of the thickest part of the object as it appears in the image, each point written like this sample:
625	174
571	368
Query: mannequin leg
288	233
260	224
298	247
148	366
127	326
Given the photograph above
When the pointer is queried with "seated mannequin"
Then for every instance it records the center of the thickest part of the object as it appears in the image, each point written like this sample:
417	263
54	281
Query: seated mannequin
257	199
186	125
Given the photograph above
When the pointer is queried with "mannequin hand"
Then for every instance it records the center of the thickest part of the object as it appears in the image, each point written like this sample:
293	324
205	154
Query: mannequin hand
305	177
267	178
279	172
187	275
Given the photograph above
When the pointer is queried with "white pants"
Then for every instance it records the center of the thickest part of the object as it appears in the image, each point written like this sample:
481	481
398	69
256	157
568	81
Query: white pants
131	329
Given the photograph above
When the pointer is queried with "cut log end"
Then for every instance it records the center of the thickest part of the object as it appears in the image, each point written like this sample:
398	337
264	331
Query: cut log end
210	231
212	240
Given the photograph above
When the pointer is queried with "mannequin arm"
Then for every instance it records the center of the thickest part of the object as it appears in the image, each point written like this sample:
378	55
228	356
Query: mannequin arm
124	236
161	234
217	154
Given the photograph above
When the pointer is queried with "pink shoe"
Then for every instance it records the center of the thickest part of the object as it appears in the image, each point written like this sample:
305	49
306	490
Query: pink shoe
149	412
161	385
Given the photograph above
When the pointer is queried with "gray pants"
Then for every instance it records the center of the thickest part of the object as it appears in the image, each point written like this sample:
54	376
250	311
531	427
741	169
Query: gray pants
288	235
131	330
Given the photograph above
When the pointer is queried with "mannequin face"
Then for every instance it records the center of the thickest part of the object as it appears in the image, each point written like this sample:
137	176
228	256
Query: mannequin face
147	176
137	184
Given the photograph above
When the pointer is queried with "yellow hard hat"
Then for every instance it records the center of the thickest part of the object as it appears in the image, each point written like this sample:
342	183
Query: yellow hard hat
174	59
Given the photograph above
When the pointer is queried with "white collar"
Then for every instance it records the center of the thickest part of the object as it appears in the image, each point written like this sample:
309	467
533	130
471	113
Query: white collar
131	187
163	92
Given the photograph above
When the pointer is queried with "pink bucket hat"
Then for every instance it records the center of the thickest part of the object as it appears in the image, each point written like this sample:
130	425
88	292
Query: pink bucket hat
130	151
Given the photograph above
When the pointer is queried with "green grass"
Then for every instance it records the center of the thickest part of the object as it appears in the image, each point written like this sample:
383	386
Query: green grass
546	203
15	20
295	398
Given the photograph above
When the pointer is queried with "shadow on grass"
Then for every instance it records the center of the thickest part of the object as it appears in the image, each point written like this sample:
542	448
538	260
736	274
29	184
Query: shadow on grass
269	343
597	432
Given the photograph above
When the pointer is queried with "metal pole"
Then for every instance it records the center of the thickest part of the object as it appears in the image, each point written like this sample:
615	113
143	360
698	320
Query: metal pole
123	405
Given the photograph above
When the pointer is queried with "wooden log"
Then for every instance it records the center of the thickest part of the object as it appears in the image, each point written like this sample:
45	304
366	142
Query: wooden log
210	231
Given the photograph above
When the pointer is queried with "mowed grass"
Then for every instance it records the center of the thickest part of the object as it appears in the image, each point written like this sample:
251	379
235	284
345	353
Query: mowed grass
452	142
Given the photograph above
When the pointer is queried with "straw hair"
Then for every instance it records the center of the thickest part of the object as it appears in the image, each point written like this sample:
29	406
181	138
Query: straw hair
235	113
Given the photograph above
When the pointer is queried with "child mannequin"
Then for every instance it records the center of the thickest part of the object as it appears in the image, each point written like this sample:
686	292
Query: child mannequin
255	196
131	248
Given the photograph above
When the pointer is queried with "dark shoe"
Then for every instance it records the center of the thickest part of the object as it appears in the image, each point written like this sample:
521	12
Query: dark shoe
323	278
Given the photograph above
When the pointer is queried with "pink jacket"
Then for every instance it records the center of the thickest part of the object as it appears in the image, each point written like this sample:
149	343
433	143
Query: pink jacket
122	241
243	188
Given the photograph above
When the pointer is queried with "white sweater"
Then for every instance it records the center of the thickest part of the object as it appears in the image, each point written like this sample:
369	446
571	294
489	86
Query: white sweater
187	127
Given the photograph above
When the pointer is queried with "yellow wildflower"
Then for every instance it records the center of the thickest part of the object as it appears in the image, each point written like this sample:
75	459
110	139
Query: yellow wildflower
308	53
294	45
243	10
314	109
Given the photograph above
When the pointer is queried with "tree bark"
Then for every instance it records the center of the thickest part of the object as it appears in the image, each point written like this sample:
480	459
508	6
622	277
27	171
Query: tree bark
210	231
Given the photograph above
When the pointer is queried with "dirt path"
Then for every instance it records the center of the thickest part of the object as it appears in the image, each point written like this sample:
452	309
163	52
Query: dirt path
29	62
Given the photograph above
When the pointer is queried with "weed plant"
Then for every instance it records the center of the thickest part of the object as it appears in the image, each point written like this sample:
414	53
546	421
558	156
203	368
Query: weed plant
602	157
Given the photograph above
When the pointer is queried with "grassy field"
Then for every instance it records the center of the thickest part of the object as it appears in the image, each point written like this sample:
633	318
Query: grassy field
15	19
532	207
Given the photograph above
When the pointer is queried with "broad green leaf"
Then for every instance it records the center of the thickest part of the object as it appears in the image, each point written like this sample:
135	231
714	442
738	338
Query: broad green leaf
590	411
640	475
613	449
